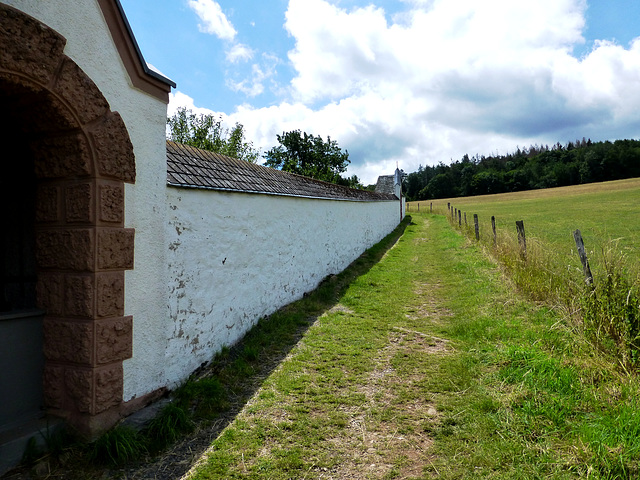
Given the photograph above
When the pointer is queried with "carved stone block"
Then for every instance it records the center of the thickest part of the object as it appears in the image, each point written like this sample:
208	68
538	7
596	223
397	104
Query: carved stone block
114	150
53	116
47	203
61	156
110	294
70	342
111	202
114	340
108	387
80	92
79	203
115	248
79	296
69	249
79	389
50	293
45	46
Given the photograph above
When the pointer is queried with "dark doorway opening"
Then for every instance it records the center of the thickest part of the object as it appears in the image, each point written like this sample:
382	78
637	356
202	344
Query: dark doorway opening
21	334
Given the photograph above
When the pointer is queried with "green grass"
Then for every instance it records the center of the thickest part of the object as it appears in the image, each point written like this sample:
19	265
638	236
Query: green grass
608	311
601	211
431	366
419	361
117	447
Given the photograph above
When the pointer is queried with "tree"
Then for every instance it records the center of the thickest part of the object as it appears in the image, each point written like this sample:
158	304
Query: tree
207	132
352	182
310	156
439	186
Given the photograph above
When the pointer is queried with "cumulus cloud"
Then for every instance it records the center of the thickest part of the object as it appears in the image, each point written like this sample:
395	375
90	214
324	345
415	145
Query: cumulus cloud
239	52
442	78
253	83
214	21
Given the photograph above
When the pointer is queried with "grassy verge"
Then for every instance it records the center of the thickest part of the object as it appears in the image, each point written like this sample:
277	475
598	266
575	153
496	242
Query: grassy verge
430	366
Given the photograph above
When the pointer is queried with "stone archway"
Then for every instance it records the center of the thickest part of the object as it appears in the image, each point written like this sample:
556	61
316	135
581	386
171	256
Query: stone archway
82	156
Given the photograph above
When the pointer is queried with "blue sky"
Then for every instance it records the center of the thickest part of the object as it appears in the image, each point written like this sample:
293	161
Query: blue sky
407	81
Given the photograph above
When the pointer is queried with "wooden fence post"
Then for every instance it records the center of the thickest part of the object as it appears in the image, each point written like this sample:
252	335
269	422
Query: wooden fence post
477	226
459	218
418	207
431	207
465	219
522	240
577	236
493	227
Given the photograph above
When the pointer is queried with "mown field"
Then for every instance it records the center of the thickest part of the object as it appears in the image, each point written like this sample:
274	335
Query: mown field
602	211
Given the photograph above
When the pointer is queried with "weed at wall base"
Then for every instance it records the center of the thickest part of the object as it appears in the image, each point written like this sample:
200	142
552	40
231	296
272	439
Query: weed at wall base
172	422
117	446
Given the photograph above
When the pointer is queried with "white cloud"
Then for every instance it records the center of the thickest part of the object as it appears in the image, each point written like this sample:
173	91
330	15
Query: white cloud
239	52
443	79
254	84
214	20
179	100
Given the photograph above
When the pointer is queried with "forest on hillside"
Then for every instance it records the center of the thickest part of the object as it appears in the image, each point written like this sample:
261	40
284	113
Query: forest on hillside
531	168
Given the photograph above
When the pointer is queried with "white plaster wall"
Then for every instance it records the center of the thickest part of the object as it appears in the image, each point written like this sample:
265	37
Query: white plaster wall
231	257
90	45
236	257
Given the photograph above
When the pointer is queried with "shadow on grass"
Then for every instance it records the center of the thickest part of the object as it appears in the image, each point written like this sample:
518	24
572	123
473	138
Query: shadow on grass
242	369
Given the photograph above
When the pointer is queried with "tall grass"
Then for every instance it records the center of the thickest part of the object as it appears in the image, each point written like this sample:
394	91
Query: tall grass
611	312
607	312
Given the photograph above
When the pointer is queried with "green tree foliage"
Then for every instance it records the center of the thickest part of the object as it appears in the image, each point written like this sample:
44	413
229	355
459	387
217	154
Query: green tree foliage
311	156
531	168
207	132
352	182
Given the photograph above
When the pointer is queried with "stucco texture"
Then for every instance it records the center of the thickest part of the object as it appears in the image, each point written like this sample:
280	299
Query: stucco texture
236	257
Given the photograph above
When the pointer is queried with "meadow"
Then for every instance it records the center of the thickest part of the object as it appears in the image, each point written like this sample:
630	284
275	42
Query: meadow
603	212
604	306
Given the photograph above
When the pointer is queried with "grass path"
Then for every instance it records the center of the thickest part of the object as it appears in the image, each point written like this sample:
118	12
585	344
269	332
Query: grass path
400	379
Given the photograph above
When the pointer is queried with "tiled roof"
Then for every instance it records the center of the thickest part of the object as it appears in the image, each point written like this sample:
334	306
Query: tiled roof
191	167
386	184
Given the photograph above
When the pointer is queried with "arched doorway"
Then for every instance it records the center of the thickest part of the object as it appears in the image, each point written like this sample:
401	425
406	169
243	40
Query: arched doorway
72	155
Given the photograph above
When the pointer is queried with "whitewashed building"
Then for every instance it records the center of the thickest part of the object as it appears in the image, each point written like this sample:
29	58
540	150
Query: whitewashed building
127	261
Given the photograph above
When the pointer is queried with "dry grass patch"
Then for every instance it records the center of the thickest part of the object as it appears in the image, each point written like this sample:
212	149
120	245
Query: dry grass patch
385	437
429	305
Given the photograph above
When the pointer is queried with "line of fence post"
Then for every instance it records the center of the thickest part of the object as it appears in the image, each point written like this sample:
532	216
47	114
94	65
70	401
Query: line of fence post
493	227
522	239
476	225
577	236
